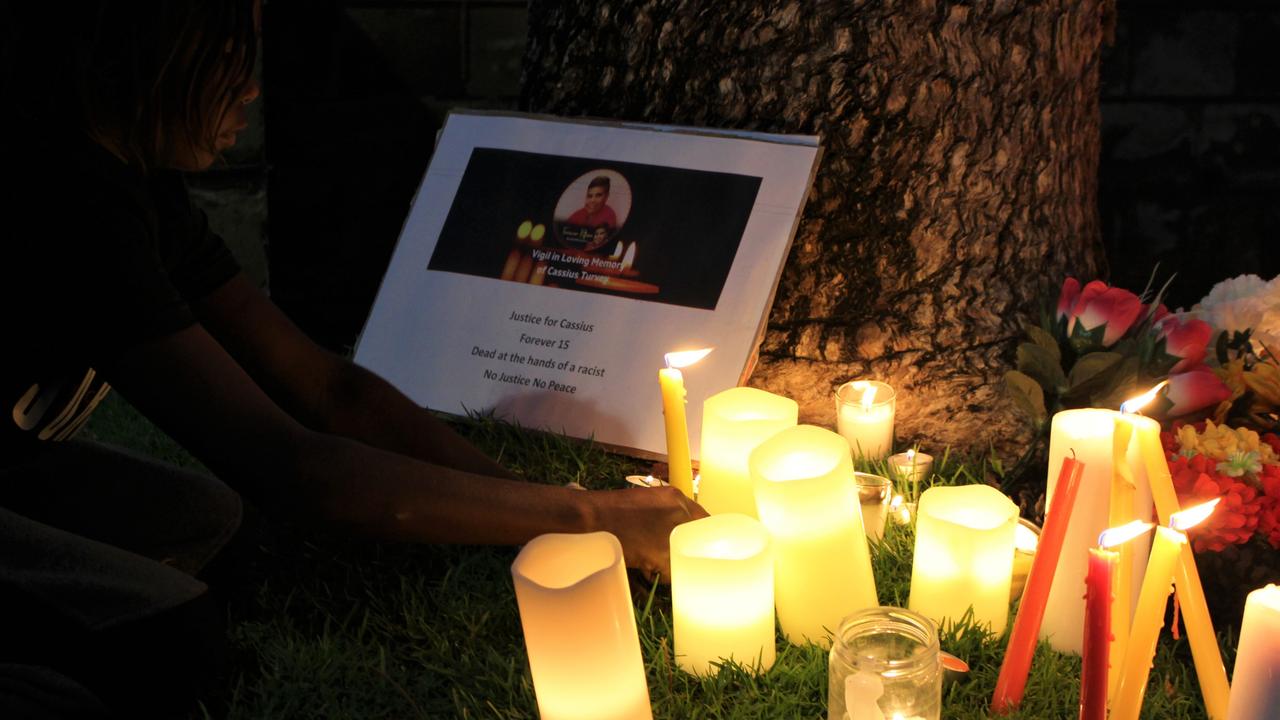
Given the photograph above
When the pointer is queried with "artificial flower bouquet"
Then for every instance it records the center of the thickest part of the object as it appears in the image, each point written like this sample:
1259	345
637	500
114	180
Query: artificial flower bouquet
1104	344
1220	406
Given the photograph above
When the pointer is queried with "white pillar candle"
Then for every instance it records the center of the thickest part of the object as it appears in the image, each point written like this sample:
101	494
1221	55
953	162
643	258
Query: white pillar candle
1255	682
734	422
580	628
964	555
1087	433
722	593
864	416
807	498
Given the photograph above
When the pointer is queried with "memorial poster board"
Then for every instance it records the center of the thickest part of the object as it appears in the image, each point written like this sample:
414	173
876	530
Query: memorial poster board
547	265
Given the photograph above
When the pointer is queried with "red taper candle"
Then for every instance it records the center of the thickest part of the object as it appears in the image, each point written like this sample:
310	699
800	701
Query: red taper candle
1097	633
1026	626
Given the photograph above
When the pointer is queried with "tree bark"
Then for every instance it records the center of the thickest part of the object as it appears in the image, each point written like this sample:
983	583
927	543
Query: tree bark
957	188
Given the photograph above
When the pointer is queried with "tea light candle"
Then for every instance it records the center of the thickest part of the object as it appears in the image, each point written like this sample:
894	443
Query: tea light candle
805	493
964	554
911	467
580	629
671	380
722	593
864	416
734	422
1254	691
1089	434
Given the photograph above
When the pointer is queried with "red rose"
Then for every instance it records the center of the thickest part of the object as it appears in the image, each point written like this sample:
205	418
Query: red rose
1196	389
1098	309
1187	340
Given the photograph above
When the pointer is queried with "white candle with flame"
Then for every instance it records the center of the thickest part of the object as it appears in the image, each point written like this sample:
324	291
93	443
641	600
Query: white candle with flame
671	381
864	416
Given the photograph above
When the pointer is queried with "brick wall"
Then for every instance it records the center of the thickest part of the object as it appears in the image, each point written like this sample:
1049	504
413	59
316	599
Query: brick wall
1190	173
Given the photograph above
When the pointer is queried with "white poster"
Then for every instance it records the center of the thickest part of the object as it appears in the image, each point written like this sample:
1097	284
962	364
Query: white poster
547	266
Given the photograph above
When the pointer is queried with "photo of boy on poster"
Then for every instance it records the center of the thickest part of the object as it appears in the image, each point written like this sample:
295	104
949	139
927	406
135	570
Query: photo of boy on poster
679	229
591	225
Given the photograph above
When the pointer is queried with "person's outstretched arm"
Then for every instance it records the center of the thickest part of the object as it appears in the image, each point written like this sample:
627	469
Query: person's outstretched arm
193	389
325	391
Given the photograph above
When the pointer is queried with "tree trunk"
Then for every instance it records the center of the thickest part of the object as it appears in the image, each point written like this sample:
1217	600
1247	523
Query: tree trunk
957	188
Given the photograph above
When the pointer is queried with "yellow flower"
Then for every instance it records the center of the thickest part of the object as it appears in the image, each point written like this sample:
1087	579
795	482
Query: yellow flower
1264	381
1221	442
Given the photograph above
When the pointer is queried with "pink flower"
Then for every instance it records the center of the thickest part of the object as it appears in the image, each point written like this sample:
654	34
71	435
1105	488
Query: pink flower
1067	299
1187	340
1195	389
1098	307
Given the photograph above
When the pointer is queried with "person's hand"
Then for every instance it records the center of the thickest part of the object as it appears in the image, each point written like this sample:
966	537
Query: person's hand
642	520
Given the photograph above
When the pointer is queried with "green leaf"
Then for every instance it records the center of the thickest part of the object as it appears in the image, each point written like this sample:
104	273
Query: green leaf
1046	341
1122	384
1092	372
1038	363
1087	341
1027	395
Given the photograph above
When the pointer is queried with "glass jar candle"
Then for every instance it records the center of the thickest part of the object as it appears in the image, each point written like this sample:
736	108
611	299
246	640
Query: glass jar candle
885	664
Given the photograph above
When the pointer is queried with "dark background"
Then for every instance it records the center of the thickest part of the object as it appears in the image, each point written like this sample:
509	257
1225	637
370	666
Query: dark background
686	223
354	92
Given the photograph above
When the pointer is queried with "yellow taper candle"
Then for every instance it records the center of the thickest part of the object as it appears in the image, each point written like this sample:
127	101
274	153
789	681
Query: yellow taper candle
1149	615
1205	653
964	555
679	462
734	422
807	498
722	593
1122	512
580	629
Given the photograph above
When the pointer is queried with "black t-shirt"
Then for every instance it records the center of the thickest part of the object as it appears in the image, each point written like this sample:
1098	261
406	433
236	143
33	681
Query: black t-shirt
97	258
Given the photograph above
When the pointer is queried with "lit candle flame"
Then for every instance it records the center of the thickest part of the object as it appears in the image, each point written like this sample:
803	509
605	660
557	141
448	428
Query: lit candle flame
1133	405
911	454
686	357
617	251
1191	517
629	259
1112	537
868	393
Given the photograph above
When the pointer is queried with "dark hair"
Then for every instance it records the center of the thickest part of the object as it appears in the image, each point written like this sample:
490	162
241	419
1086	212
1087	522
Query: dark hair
149	75
599	181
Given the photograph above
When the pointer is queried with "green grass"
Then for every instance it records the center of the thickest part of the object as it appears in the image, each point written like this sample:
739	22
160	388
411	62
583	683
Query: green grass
326	627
